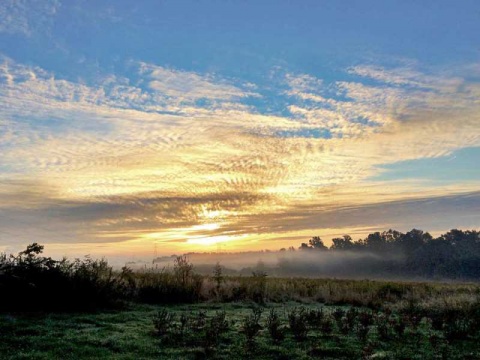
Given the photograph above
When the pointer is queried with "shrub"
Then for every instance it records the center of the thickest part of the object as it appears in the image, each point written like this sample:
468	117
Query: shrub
338	316
251	326
183	326
218	279
362	332
258	287
163	322
399	325
218	323
456	328
315	318
297	320
365	318
183	270
383	326
327	325
345	327
214	329
31	282
273	325
198	321
165	287
351	316
473	314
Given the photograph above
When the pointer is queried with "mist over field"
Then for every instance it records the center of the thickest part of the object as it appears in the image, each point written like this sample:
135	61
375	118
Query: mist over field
414	255
285	263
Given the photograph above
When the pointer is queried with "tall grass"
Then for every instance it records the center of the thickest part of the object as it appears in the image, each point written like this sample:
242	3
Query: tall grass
30	282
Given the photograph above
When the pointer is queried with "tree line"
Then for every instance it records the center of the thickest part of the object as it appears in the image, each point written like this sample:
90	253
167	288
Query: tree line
453	255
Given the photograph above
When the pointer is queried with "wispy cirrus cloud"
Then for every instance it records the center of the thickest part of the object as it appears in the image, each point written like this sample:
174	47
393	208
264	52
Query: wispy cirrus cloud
189	87
25	17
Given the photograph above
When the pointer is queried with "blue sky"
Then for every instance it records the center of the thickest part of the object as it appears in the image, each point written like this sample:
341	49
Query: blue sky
239	39
188	123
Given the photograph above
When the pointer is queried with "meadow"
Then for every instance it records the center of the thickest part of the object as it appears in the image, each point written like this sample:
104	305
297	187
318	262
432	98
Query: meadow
441	326
85	310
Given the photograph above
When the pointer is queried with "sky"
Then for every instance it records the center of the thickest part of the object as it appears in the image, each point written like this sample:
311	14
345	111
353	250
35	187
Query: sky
134	127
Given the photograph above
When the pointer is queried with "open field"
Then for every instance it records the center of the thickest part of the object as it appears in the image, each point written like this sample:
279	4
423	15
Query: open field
85	310
444	325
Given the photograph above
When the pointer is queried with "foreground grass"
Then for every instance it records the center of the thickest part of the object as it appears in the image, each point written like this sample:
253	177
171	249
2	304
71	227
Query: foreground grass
130	334
105	335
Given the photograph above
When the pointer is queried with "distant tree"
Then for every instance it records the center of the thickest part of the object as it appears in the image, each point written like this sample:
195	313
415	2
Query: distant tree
375	242
453	237
392	236
317	243
434	259
382	242
183	269
462	239
413	240
304	246
343	243
465	253
32	250
218	278
218	275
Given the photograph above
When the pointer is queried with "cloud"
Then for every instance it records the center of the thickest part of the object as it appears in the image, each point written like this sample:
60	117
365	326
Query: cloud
408	76
165	152
26	17
189	86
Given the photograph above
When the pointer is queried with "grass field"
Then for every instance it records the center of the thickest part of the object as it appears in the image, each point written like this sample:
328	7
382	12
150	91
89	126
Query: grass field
240	330
53	310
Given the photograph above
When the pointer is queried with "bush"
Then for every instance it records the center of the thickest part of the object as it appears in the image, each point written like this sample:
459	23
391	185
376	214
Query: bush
384	328
338	316
273	325
315	318
258	288
251	326
183	326
31	282
198	322
217	325
297	320
164	287
327	325
218	278
365	318
362	332
163	322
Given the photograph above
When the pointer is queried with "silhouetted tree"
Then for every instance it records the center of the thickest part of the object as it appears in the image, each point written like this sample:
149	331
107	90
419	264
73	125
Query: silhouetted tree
304	246
413	240
183	269
317	243
343	243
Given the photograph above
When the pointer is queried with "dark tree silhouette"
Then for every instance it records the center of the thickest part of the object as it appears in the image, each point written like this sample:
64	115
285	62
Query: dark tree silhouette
317	243
343	243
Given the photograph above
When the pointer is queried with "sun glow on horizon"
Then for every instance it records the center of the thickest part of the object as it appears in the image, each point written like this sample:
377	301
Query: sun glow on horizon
214	240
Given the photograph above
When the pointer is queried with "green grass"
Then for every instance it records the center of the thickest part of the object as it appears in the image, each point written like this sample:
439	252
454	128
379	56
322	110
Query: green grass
130	334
